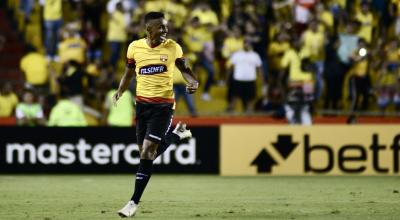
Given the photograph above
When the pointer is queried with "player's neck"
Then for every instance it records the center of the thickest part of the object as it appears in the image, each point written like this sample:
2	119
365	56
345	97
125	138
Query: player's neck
153	42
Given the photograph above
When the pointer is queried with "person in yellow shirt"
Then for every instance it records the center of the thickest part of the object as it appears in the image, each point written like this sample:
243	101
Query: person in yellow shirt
205	14
389	77
198	39
359	80
116	33
52	14
176	12
34	66
234	42
313	42
300	85
8	100
72	48
154	60
276	50
366	19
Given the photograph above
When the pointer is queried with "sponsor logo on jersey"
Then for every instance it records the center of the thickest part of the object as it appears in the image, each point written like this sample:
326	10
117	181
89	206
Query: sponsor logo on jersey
153	69
164	58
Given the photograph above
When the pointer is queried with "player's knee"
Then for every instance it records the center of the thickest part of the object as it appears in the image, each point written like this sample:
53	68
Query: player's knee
149	150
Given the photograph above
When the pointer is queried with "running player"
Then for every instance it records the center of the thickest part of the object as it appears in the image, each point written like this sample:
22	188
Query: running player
153	59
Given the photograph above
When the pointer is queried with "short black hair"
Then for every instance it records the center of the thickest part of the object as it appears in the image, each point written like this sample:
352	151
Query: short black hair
153	15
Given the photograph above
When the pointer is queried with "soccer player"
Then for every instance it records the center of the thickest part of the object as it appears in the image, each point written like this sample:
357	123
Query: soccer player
153	59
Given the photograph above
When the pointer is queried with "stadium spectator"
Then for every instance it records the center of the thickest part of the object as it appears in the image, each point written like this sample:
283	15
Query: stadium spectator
347	45
198	40
66	113
116	34
232	43
366	21
334	77
359	78
52	14
93	40
71	82
343	22
238	16
313	44
34	66
277	48
303	10
8	100
326	17
29	112
180	91
176	12
72	48
26	7
206	16
256	36
246	65
121	114
300	85
91	13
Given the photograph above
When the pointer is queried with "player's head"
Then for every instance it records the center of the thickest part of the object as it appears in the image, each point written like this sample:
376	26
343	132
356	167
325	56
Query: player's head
156	26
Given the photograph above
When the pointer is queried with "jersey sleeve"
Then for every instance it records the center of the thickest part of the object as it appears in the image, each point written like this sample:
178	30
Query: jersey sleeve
130	60
178	51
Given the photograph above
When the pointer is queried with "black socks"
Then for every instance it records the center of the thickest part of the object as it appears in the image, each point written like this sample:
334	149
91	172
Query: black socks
142	178
165	142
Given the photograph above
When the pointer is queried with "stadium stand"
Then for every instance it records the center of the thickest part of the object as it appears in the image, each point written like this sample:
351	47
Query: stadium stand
326	77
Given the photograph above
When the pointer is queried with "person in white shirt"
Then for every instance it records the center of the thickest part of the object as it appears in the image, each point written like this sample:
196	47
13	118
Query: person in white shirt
246	65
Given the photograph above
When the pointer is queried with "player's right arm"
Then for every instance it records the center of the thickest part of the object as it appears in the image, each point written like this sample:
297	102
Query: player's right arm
129	74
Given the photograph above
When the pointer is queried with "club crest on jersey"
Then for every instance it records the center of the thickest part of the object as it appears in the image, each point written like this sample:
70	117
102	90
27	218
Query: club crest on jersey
164	58
152	69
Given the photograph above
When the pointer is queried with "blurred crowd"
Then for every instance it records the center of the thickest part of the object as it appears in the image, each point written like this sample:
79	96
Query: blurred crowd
286	58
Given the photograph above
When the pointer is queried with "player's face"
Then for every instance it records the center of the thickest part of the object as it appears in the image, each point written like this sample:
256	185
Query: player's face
158	29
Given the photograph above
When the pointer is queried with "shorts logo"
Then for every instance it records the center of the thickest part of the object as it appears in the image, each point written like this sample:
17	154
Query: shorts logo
164	58
153	69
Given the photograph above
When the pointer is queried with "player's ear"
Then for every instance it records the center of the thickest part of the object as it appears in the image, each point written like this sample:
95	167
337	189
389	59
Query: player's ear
147	28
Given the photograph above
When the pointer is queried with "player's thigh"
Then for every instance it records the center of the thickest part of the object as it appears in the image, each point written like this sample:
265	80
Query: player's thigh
142	112
159	123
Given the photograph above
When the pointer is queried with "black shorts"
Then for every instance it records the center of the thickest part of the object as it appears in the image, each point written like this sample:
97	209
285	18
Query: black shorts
152	121
245	90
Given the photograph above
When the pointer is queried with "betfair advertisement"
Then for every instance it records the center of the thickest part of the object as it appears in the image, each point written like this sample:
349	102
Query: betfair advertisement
314	150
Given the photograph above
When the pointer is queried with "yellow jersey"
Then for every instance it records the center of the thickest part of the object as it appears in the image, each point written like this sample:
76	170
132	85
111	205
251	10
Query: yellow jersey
7	104
231	45
73	48
154	69
367	22
314	44
52	10
34	66
116	27
292	60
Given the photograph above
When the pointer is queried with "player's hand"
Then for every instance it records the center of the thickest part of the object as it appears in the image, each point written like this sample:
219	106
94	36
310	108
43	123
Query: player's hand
192	87
115	98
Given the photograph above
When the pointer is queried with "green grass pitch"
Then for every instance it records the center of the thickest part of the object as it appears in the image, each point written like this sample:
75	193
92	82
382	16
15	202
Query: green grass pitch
51	197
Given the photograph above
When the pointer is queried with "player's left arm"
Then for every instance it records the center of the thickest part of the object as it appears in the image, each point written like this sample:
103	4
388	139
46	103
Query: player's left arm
192	83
